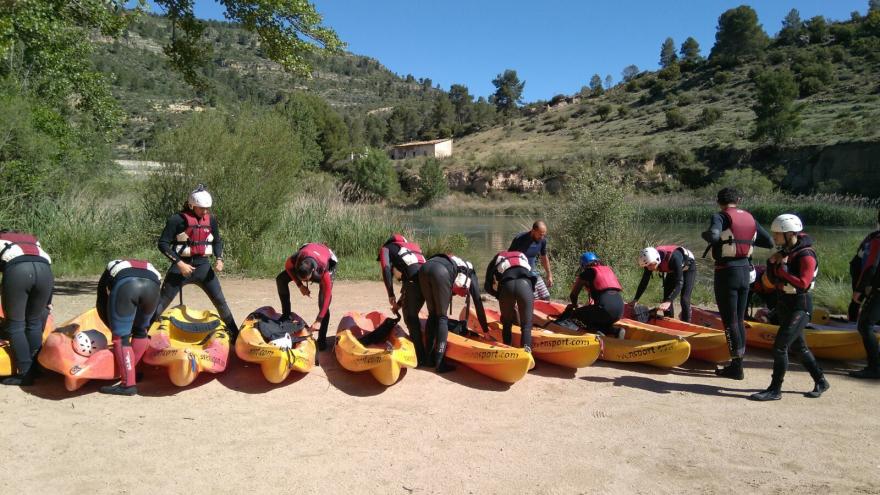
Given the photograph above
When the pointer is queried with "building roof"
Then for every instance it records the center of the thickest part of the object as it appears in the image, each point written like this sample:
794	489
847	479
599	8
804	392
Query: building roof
422	143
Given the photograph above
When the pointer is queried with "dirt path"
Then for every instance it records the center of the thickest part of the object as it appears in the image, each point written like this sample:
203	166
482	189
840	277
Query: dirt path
601	429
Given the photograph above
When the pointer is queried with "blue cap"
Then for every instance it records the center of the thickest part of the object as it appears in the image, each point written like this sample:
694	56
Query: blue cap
588	257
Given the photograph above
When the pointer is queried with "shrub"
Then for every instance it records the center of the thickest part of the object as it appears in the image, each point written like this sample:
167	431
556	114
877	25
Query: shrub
671	73
632	86
776	57
748	181
721	77
432	183
603	111
675	119
685	100
709	116
623	110
810	86
373	173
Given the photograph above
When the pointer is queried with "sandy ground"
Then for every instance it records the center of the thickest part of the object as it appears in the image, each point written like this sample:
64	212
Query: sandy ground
603	429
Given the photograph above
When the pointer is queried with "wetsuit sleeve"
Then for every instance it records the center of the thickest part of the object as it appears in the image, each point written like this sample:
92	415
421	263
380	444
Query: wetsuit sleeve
326	288
808	270
676	266
713	234
764	239
488	279
869	265
217	244
643	284
385	264
281	283
478	303
103	297
173	226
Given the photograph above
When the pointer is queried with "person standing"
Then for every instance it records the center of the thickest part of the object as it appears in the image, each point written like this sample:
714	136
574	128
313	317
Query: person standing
25	292
866	299
732	235
793	270
534	244
509	279
679	269
189	240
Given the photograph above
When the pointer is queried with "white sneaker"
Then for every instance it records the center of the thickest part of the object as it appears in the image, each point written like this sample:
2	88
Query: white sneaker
284	342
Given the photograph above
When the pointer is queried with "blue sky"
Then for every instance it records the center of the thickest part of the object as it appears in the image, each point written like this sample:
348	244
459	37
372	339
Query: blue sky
554	45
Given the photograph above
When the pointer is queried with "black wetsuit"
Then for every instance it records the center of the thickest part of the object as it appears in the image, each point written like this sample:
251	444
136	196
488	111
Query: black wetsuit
795	307
436	278
606	308
679	280
411	300
865	271
127	302
515	291
325	297
26	291
202	276
732	283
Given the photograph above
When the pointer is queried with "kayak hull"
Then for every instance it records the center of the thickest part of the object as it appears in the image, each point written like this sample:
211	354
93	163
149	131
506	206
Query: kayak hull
824	342
707	344
564	347
187	353
385	360
641	344
276	363
58	355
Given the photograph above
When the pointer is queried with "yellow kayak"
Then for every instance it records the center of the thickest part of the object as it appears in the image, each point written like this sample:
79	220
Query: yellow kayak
826	342
187	342
495	360
276	361
707	344
562	346
383	360
639	345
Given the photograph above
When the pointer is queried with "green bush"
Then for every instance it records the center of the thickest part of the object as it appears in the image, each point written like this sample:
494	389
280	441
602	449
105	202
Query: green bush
748	181
671	73
810	86
374	173
603	111
675	118
623	111
721	77
708	117
432	182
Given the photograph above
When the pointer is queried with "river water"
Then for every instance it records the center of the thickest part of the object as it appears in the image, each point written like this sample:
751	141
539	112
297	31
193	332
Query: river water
487	235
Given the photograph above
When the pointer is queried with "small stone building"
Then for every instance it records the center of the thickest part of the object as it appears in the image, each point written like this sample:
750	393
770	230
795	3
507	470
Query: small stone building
437	148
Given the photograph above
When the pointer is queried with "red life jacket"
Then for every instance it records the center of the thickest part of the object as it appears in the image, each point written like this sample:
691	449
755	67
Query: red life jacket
738	240
461	284
794	268
197	238
666	255
505	260
605	279
323	256
408	258
15	244
142	268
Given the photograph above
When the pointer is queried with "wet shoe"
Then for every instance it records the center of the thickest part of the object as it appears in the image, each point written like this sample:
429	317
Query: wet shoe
119	389
821	386
731	371
868	373
769	394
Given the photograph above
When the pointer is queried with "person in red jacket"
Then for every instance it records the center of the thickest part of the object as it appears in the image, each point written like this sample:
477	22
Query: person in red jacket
316	263
793	269
606	302
866	300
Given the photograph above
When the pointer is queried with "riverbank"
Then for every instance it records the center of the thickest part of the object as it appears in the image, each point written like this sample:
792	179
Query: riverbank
602	429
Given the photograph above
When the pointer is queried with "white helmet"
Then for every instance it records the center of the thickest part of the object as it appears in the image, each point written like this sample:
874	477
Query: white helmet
88	342
787	223
648	256
200	197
